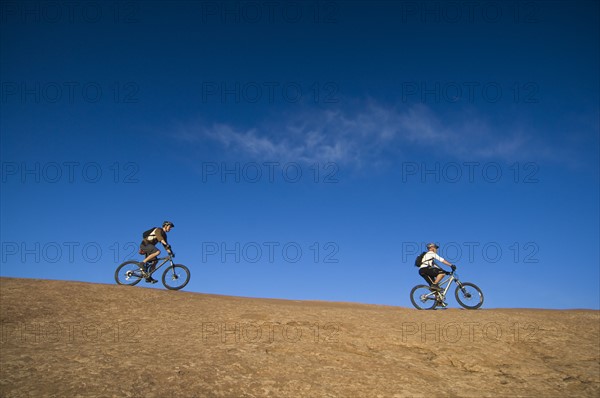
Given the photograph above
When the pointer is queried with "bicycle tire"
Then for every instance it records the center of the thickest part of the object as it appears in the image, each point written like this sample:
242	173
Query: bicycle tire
474	292
178	272
128	273
422	297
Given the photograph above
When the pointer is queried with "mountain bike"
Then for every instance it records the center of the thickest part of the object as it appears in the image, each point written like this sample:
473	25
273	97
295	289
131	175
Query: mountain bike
467	294
175	277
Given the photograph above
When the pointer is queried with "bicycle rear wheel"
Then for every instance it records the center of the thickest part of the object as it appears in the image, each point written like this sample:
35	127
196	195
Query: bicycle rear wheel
128	273
422	297
176	277
469	295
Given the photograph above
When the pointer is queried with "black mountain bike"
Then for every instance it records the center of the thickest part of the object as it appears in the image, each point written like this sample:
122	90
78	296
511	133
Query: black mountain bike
467	294
175	277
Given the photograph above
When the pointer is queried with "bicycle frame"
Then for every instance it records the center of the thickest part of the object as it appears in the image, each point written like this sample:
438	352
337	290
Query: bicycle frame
156	268
447	281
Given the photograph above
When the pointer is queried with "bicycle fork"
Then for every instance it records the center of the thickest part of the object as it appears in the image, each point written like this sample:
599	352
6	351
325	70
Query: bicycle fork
463	290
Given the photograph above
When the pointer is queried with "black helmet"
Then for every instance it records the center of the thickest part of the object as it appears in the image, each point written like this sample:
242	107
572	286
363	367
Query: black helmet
432	245
168	223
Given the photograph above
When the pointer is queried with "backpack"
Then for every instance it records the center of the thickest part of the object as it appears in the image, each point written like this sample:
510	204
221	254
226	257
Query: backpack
419	259
147	233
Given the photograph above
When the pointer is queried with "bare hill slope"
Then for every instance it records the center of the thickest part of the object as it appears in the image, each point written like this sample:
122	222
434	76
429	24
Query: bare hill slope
69	339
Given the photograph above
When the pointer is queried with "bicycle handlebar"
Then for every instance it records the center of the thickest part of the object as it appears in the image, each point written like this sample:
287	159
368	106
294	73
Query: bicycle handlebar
453	270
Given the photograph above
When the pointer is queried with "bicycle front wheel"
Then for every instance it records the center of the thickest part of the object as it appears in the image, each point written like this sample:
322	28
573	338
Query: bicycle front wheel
469	295
422	297
176	277
128	273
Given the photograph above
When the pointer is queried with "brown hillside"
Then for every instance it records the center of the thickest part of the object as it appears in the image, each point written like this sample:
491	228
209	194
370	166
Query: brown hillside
69	339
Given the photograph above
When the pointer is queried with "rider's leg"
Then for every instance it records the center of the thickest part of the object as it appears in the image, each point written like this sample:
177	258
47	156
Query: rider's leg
431	275
151	251
151	256
437	280
152	262
425	276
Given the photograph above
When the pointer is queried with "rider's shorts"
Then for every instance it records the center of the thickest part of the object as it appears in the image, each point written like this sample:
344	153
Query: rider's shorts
430	272
148	247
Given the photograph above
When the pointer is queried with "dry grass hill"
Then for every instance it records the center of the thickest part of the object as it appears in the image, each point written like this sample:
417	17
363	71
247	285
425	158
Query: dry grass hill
67	339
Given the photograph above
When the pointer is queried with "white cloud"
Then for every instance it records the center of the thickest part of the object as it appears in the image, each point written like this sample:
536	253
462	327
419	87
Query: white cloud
355	137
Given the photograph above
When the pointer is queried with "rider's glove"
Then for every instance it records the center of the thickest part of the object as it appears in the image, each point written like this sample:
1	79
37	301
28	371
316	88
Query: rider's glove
453	267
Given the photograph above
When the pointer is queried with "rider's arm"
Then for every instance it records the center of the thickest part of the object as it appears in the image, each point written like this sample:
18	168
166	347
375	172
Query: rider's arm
166	245
162	238
442	260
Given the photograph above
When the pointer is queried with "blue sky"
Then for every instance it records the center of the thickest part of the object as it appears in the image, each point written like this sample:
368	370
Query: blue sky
306	150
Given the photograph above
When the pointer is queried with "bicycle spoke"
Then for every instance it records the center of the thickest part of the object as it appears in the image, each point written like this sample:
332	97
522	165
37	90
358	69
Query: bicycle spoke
128	273
423	298
176	277
469	295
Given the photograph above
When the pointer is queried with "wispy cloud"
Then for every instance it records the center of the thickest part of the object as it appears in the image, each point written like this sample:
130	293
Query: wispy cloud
364	135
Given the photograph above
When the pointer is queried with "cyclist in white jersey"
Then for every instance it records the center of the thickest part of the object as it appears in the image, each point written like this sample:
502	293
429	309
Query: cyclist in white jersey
429	270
